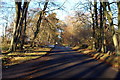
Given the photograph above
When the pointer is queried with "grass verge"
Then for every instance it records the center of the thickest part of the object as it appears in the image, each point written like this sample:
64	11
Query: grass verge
22	56
109	58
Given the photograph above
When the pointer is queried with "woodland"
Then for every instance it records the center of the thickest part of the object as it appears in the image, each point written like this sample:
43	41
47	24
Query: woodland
94	26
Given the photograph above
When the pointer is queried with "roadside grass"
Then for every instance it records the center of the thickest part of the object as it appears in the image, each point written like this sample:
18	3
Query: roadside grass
109	58
65	44
21	56
4	47
76	47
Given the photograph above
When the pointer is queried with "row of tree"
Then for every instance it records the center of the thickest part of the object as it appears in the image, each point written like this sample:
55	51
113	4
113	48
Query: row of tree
103	22
102	30
95	27
39	28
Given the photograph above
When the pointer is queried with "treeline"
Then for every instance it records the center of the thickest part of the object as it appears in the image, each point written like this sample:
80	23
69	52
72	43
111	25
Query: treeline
36	27
96	24
103	23
97	27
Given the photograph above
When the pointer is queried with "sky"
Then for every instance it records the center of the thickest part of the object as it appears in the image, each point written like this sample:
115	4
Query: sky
68	5
69	8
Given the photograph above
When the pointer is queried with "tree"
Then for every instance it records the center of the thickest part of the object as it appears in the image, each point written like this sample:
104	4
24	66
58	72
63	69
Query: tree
49	29
108	14
77	30
21	14
42	13
117	41
15	30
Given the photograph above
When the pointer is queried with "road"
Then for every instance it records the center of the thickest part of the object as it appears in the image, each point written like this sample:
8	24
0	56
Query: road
61	63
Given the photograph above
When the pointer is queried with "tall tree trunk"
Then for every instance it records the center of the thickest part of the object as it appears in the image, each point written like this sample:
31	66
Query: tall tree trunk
14	40
39	22
101	28
116	35
118	32
23	28
96	25
103	22
19	29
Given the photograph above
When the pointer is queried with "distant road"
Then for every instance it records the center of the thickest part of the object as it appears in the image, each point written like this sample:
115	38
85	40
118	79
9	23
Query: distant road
61	63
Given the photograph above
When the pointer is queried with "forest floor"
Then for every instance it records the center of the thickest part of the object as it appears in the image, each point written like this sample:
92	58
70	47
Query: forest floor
109	58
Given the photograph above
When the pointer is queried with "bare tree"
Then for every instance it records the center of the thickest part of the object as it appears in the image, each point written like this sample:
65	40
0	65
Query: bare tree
21	13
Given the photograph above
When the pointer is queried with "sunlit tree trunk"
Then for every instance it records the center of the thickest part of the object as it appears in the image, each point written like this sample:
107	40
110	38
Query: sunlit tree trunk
118	32
116	37
14	39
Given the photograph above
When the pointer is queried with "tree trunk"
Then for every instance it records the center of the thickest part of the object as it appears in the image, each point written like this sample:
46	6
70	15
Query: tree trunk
39	22
14	39
101	27
93	25
118	32
23	28
109	16
103	20
19	29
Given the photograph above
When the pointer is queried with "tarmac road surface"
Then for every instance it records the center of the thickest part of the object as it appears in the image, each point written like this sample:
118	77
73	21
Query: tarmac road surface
61	63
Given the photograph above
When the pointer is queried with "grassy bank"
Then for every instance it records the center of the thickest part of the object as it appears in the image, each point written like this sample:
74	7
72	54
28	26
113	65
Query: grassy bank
109	58
22	56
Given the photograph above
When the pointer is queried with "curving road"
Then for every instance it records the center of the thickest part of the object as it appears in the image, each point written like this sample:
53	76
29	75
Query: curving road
61	63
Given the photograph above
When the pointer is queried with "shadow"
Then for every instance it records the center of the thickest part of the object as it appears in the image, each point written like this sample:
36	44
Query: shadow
52	62
87	71
52	73
107	58
97	57
63	63
118	76
99	71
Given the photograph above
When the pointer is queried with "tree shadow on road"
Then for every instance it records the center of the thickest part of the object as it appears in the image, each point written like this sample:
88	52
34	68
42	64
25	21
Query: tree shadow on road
50	64
55	66
118	76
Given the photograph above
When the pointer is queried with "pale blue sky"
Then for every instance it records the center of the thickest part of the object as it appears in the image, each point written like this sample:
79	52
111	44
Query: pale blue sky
10	3
61	14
